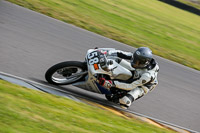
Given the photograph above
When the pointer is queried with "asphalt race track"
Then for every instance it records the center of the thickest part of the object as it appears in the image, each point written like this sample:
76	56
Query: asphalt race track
30	43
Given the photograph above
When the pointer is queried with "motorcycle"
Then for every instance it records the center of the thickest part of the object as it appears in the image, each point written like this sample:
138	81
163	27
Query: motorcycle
85	75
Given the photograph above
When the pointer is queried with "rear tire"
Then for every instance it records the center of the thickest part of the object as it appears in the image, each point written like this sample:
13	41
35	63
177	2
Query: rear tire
58	73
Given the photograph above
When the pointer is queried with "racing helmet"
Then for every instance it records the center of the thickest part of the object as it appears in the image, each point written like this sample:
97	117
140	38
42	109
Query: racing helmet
141	57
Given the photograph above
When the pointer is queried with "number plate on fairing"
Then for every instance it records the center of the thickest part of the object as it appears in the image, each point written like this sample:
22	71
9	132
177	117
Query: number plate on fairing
93	58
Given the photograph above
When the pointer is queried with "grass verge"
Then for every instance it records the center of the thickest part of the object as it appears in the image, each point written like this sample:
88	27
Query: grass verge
171	33
26	110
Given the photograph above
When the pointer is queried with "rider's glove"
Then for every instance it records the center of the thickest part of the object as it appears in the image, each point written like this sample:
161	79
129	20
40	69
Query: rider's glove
106	83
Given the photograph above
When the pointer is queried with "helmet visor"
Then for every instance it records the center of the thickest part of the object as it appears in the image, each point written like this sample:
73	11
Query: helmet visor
139	63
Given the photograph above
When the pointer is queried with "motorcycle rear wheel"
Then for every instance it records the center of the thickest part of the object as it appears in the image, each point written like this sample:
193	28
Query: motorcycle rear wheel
60	73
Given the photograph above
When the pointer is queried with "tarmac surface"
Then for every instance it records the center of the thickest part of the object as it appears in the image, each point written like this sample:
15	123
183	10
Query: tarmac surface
30	43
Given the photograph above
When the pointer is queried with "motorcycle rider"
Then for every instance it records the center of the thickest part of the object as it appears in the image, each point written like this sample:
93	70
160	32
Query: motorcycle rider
144	69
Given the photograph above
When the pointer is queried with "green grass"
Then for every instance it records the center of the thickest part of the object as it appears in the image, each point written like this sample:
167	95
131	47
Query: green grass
170	32
30	111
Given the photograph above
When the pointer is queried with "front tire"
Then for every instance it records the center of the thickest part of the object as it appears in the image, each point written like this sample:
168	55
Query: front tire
59	73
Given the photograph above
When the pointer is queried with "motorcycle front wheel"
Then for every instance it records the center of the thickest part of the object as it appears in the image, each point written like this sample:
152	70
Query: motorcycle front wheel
66	72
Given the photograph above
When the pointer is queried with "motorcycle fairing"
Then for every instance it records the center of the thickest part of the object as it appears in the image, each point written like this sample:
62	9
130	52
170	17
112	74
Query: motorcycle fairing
91	82
92	86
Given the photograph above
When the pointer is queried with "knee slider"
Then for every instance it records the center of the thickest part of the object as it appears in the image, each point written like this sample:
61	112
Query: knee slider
136	93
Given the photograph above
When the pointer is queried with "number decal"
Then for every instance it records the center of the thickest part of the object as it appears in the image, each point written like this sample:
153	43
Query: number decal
93	58
93	61
92	55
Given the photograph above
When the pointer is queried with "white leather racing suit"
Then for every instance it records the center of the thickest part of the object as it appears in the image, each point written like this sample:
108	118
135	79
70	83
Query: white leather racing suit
143	80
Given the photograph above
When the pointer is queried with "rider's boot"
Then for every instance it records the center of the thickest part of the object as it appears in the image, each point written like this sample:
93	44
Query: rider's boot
126	101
